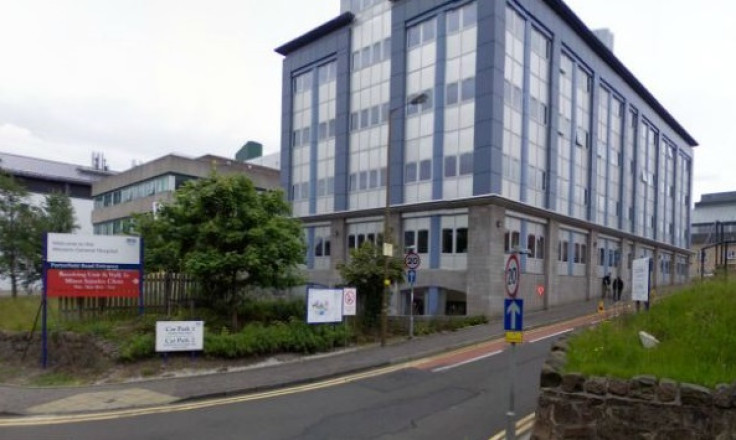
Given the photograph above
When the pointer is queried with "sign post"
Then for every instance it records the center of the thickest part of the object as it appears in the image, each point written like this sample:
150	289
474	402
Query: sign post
513	323
640	281
83	266
412	262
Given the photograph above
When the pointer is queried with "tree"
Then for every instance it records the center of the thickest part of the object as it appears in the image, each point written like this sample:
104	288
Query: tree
59	214
229	236
365	271
22	227
17	223
56	214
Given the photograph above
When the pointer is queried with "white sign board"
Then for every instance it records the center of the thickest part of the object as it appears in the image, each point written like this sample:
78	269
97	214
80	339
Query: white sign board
640	279
101	249
349	301
179	335
324	305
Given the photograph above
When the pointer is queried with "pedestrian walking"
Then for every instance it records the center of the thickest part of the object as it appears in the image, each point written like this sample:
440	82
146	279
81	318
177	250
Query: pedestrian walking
606	285
618	287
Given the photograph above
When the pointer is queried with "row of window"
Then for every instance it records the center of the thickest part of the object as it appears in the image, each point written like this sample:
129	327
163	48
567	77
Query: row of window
464	17
369	117
369	179
534	244
370	55
325	187
139	190
325	130
465	165
325	73
463	90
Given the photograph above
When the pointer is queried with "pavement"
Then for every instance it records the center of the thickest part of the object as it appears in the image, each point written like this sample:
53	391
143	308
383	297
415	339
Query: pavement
18	401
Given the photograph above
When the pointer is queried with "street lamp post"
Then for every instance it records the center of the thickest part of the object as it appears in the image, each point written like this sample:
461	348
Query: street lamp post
387	242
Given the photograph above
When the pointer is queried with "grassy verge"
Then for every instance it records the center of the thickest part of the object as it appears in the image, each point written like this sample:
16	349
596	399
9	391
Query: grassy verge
695	330
18	314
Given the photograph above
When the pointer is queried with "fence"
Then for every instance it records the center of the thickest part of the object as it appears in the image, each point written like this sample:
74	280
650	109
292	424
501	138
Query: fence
162	293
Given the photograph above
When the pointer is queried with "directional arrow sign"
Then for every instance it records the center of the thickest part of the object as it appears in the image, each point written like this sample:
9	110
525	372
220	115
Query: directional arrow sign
513	315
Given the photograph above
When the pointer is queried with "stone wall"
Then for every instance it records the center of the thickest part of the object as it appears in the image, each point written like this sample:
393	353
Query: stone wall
572	406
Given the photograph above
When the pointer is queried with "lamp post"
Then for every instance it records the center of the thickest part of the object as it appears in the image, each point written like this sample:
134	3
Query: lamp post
388	250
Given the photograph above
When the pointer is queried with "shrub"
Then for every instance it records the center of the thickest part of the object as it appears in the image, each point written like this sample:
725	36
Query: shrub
139	346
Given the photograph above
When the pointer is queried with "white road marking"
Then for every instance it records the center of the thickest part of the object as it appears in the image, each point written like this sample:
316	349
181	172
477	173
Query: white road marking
551	336
467	361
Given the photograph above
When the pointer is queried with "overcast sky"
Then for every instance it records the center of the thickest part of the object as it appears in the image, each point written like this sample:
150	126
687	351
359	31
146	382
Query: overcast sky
138	79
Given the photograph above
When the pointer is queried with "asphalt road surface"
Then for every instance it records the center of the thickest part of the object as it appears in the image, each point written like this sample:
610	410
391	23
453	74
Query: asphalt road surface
460	395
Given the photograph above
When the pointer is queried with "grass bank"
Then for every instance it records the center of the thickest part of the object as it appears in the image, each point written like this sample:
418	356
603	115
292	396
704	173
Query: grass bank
695	330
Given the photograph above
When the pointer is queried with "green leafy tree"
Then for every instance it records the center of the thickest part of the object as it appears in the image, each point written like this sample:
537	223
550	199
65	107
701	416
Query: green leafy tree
22	226
365	271
18	221
229	236
56	214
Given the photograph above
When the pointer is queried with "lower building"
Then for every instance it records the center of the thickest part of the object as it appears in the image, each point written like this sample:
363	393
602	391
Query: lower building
141	188
714	233
41	177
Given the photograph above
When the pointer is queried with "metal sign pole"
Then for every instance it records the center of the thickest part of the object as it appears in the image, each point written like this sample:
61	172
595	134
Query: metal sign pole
411	312
511	415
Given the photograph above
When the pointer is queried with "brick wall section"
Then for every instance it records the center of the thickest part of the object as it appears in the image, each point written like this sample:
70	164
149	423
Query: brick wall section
571	406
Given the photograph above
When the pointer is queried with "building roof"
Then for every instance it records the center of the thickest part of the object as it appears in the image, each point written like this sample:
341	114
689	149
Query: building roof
569	17
316	33
602	51
26	166
719	198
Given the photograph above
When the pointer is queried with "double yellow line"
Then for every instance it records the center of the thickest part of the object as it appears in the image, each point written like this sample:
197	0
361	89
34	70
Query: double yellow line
523	426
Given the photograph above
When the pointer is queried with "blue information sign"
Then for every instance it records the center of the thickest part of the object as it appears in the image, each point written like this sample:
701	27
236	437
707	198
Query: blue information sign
513	315
411	276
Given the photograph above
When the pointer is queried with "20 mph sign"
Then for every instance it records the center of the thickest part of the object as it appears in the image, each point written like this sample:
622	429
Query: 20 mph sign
511	275
412	260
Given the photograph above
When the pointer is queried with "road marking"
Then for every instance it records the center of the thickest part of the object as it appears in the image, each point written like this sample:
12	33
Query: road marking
551	336
467	361
189	406
523	425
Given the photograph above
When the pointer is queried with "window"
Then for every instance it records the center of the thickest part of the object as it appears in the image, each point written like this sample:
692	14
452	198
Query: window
318	251
373	179
540	247
410	172
468	89
466	163
423	241
515	240
450	166
453	21
451	94
363	180
461	240
409	239
531	244
447	241
577	253
425	169
413	36
565	245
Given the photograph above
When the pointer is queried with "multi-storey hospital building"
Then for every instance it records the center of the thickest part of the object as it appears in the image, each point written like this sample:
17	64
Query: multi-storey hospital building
494	126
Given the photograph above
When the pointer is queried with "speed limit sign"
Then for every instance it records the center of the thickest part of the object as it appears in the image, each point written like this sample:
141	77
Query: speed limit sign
512	275
412	260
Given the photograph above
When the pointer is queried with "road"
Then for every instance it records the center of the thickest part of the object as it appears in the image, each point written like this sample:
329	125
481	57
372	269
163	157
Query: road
458	395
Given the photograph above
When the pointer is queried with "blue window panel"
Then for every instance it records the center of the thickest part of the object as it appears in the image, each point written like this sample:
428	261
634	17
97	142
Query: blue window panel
410	172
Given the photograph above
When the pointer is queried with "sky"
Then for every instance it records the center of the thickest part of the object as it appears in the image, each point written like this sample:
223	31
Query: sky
139	79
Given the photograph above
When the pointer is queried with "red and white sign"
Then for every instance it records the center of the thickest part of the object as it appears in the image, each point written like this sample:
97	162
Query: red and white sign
84	282
349	301
512	275
540	290
93	265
